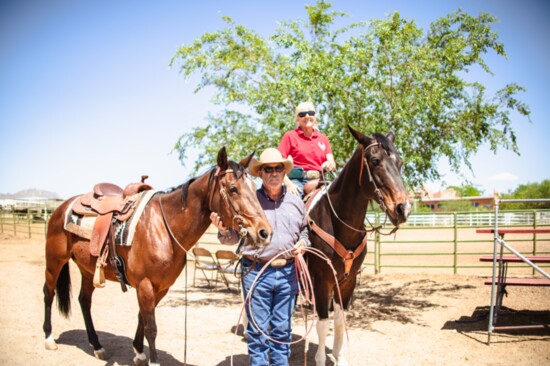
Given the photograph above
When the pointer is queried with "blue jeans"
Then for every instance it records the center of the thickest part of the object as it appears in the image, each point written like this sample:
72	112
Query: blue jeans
272	303
300	184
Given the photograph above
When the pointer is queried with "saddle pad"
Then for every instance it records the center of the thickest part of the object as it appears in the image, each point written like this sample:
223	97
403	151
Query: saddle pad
123	231
317	197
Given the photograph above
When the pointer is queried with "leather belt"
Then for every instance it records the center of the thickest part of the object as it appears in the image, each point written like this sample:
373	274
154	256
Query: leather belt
277	263
312	174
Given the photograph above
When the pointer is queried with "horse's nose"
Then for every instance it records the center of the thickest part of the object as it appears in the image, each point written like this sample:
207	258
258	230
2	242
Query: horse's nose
263	234
403	210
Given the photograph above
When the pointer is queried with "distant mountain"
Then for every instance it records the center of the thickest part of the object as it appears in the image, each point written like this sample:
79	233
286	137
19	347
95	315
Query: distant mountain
30	193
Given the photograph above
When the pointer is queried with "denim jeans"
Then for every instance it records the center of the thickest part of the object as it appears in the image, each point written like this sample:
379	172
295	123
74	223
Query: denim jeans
272	303
300	184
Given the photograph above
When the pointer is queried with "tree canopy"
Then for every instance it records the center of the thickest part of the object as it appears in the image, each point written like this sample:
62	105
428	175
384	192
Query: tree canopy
528	191
377	76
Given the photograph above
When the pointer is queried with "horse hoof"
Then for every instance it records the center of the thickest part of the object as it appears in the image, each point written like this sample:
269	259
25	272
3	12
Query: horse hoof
100	354
50	344
340	361
140	359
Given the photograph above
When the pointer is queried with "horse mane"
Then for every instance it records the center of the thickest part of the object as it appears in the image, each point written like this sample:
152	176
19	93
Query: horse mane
384	142
237	169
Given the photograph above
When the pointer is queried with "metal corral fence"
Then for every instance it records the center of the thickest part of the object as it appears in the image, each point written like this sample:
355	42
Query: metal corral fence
29	221
428	242
449	241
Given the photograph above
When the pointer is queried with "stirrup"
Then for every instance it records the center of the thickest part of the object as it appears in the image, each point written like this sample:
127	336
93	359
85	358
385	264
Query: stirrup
99	274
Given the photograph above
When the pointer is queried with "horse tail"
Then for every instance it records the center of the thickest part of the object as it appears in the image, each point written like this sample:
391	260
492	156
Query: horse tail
63	289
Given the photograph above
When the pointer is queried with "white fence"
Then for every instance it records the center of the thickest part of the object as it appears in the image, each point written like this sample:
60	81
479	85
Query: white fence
511	218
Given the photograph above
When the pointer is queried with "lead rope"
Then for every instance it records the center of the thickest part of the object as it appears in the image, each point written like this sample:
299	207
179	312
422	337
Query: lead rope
305	285
185	315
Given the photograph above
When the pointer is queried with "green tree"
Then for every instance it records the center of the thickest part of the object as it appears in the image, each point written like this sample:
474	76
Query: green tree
529	191
467	190
376	76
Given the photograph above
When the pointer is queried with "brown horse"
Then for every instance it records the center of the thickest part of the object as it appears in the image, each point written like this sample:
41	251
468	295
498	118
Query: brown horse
170	225
336	218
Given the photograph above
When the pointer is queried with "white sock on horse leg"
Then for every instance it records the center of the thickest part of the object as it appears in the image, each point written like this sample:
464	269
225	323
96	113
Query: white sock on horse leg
339	332
322	332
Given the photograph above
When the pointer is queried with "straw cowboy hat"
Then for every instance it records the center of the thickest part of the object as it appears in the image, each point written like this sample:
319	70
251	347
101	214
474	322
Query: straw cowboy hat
269	156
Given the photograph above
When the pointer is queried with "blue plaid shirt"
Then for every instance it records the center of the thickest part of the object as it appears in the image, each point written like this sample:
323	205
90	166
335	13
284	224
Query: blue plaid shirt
287	217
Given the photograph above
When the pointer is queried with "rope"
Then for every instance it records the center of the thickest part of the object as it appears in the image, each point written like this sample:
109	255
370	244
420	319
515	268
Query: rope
168	227
305	292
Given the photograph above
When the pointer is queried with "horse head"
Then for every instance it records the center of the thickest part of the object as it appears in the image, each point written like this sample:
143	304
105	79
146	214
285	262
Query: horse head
236	202
383	170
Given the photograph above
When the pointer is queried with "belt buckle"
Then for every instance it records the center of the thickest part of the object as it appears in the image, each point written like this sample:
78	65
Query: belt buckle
278	263
312	174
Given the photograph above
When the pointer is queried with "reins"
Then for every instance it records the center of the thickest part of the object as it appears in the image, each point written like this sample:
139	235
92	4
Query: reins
348	256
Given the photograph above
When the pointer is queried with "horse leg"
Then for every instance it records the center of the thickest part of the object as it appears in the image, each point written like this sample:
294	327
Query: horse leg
85	299
322	297
53	274
322	332
339	332
147	325
346	291
58	280
140	358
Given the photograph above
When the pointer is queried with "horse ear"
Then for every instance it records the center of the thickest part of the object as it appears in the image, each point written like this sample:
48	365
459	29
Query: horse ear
222	159
357	135
247	160
391	136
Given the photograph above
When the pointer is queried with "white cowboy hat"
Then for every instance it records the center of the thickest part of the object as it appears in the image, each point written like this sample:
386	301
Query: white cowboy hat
269	156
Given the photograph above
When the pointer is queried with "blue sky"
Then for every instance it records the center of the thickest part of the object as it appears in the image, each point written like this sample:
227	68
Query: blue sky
86	93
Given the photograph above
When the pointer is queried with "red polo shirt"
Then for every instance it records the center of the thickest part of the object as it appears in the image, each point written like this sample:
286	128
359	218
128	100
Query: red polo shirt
308	152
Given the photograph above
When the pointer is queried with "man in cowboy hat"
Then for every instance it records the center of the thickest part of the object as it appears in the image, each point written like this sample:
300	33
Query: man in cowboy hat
274	293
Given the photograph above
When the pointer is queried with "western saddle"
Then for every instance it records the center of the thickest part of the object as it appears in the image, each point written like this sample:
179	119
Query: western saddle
108	202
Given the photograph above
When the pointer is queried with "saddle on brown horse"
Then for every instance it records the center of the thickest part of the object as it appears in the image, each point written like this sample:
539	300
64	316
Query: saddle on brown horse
108	202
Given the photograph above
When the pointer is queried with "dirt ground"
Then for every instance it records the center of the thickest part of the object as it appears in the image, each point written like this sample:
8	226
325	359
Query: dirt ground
397	319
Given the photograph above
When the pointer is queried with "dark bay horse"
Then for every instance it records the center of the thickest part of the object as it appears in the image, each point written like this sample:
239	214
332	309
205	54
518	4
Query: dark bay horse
336	219
170	225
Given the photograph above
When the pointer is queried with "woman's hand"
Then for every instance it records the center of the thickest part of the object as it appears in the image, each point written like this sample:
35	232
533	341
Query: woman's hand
329	165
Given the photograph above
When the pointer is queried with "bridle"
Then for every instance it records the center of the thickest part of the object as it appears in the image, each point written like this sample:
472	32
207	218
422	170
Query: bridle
377	192
349	256
238	217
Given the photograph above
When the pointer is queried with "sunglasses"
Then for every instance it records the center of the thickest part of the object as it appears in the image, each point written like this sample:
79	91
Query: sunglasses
270	169
303	114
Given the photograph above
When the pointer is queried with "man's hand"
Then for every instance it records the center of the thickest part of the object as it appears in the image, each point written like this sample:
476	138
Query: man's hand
299	248
217	221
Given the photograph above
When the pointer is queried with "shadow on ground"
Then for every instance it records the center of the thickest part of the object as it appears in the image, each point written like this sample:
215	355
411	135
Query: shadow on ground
478	321
118	348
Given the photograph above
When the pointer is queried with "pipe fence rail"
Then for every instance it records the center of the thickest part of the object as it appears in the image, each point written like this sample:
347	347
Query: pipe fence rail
429	241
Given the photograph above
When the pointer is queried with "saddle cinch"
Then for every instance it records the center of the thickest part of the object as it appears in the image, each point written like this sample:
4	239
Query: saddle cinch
108	202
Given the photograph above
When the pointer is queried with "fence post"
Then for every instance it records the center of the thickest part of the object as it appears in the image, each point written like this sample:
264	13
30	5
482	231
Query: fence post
29	221
455	244
2	221
14	224
377	245
534	238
